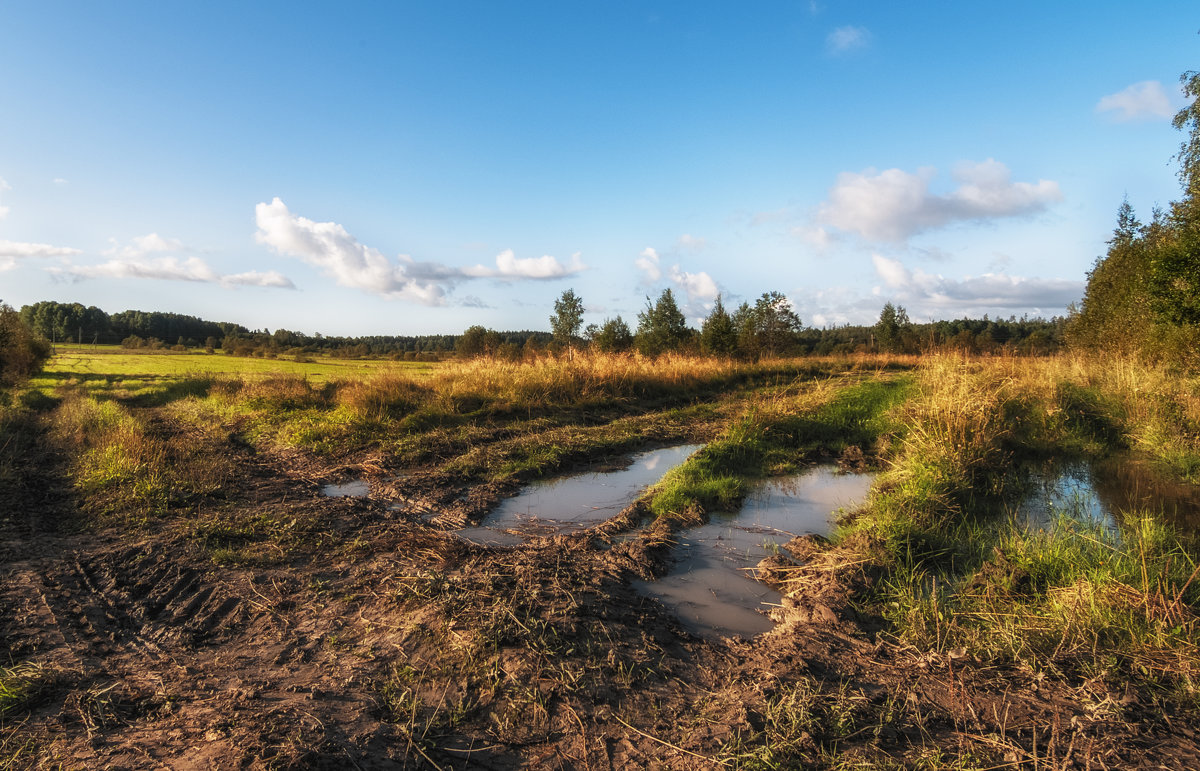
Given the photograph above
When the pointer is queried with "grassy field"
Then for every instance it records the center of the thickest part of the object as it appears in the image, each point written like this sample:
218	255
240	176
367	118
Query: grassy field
112	361
935	629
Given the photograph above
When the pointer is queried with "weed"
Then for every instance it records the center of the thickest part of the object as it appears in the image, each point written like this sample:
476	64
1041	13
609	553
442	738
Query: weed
23	686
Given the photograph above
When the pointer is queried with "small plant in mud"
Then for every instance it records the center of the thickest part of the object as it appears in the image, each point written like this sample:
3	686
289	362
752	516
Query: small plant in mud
23	686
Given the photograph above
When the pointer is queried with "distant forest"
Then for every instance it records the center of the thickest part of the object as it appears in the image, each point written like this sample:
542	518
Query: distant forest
766	328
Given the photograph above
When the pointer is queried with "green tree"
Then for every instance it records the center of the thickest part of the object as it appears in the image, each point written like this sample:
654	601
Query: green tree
22	353
718	335
661	326
475	341
1115	312
613	336
892	328
567	319
768	328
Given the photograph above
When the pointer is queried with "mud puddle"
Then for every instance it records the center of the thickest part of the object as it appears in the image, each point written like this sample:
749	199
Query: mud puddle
358	488
711	586
575	502
1100	491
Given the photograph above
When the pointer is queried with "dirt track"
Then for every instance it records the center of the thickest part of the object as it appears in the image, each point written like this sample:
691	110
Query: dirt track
354	636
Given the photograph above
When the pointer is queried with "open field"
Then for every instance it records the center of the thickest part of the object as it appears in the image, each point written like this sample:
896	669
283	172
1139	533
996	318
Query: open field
179	593
112	361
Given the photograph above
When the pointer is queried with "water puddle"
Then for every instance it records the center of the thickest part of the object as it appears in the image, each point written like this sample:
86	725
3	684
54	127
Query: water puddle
711	587
574	503
1097	492
358	488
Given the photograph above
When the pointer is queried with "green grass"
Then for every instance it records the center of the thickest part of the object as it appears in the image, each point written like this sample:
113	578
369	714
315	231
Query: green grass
777	436
958	572
111	363
22	687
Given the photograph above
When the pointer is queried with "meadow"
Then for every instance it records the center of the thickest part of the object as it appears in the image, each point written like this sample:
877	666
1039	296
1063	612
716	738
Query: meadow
167	542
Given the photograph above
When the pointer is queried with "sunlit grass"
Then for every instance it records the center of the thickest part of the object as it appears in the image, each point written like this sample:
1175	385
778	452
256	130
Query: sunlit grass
958	572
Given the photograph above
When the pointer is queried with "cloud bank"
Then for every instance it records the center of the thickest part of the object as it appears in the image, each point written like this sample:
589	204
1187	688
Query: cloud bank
137	260
11	251
339	255
893	205
937	295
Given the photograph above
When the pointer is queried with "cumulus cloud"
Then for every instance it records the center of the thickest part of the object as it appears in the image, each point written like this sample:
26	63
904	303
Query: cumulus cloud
1147	100
845	39
690	243
937	295
700	288
329	247
509	266
647	263
892	205
4	209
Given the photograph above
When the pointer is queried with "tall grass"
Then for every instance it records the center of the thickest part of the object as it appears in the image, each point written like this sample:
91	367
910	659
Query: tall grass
779	432
340	414
957	572
122	468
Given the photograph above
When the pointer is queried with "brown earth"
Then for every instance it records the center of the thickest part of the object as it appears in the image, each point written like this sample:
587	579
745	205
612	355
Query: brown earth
272	627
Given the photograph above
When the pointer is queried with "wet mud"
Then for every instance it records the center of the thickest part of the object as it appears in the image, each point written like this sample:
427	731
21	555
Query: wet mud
274	626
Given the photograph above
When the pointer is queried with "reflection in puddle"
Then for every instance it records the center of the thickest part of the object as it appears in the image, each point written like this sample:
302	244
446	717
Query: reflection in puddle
1064	492
1097	492
574	503
359	488
709	586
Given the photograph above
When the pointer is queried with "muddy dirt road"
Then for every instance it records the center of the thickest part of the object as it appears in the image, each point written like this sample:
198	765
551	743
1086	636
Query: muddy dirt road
270	626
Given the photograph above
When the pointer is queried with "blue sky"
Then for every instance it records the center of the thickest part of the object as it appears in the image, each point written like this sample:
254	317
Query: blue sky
405	168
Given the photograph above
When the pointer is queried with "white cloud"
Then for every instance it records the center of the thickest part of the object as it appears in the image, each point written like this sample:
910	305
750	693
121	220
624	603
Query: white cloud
817	237
60	181
18	249
700	287
270	278
691	243
164	268
1147	100
4	210
328	246
151	243
893	204
191	269
11	251
936	295
848	38
648	264
339	255
508	266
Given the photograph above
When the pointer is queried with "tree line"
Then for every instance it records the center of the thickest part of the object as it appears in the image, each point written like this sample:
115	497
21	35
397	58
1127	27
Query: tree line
1143	295
770	327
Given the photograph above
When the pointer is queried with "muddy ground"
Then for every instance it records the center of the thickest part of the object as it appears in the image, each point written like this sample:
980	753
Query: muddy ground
272	627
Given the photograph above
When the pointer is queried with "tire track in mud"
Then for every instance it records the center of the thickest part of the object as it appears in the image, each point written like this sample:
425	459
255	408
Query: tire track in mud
132	606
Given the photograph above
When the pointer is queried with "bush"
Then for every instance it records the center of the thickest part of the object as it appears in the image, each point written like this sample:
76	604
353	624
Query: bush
21	352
